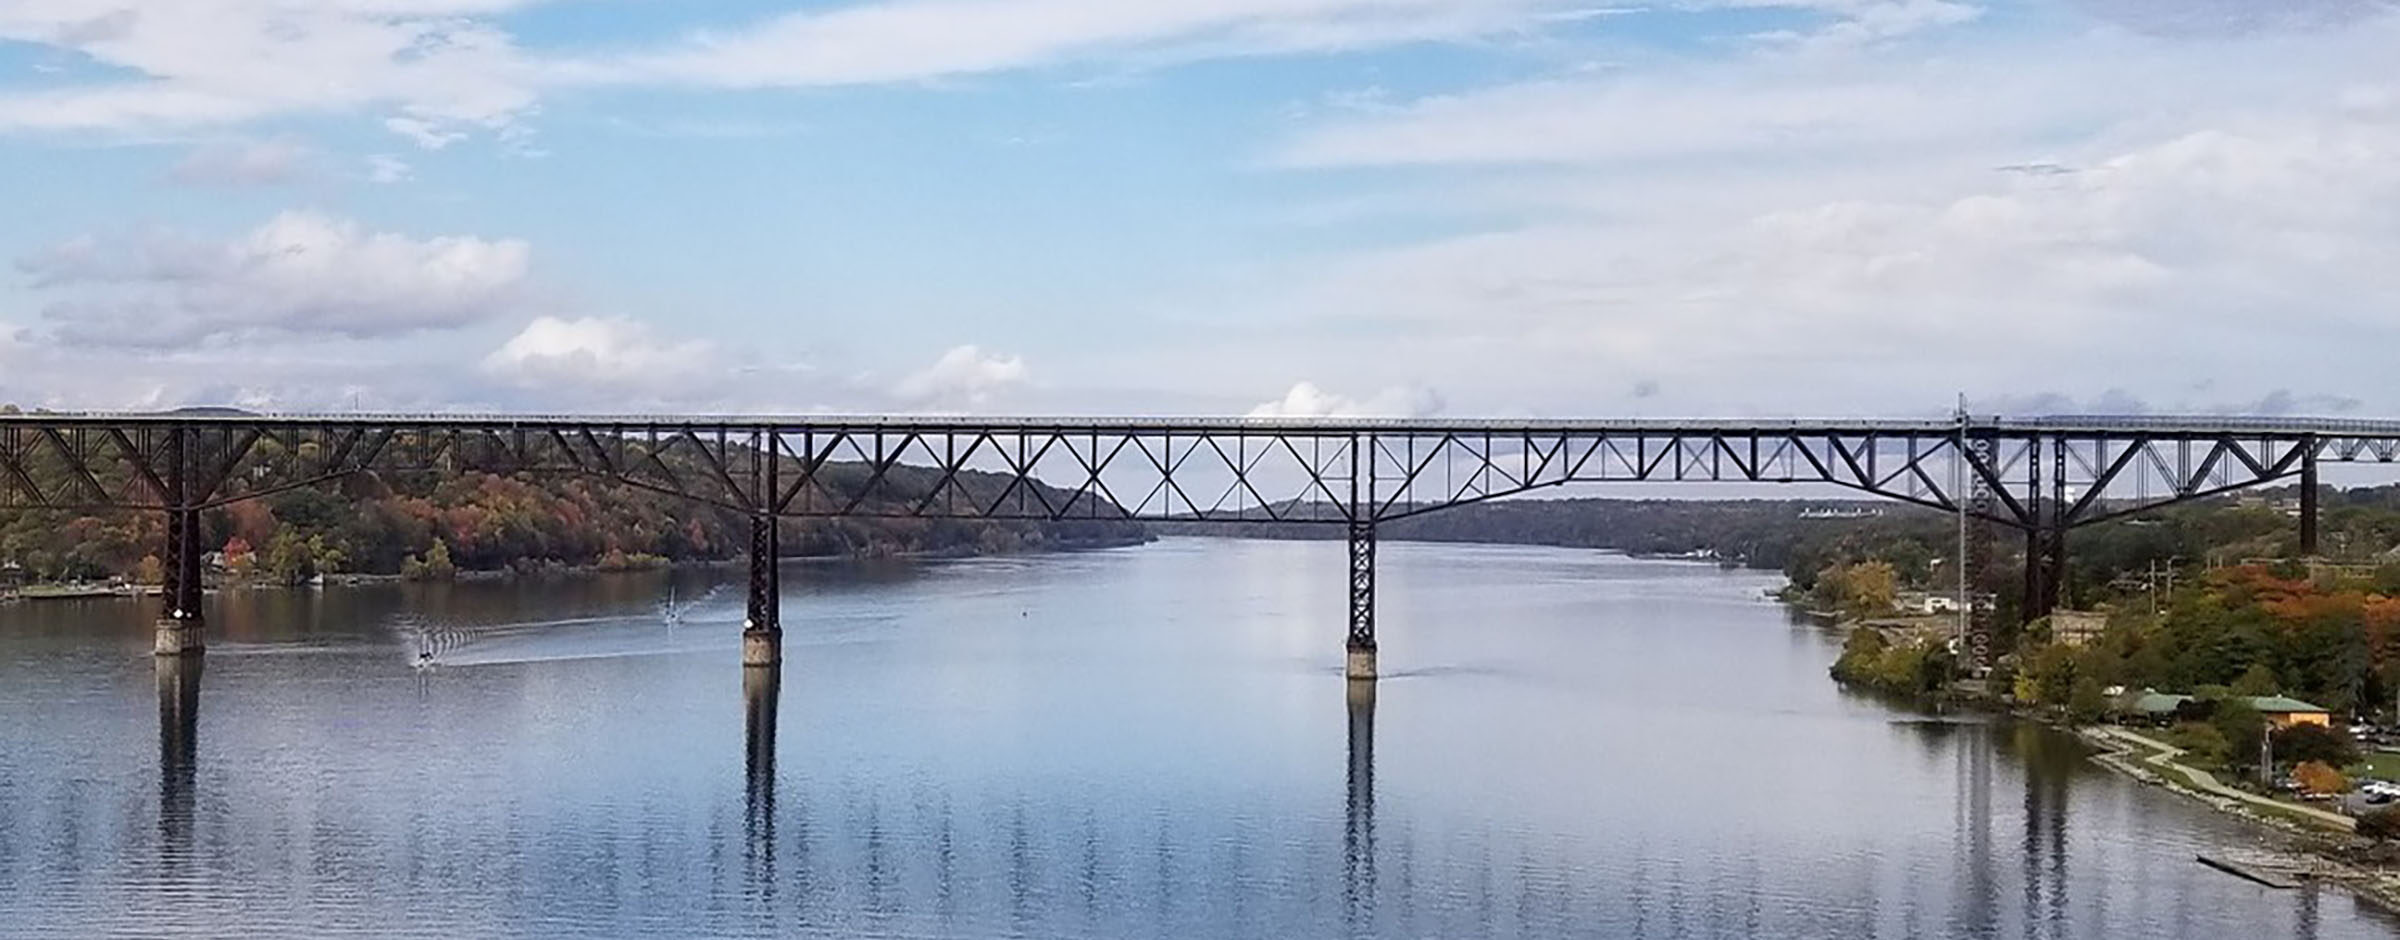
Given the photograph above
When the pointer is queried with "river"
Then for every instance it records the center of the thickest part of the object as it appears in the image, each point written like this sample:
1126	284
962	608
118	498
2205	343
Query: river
1142	742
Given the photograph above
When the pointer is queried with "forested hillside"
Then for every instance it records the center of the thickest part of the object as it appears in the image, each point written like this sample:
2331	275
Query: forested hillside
382	524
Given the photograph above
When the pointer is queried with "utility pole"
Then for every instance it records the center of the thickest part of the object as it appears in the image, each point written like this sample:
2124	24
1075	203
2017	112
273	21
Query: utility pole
2266	756
1958	494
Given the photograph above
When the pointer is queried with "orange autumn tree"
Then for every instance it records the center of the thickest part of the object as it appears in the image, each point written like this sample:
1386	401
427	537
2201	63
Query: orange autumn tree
2318	777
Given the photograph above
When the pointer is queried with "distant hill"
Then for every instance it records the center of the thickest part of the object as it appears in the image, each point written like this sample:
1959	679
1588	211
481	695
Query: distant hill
1756	533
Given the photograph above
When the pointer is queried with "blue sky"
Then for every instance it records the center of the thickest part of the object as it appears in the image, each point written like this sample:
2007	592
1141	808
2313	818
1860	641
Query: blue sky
1470	207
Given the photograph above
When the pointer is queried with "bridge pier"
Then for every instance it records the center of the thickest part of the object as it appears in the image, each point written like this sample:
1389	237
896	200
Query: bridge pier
1359	663
179	621
762	625
2047	512
2308	497
2045	570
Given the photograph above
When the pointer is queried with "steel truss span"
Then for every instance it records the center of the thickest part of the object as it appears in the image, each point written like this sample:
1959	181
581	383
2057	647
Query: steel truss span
2040	473
2043	476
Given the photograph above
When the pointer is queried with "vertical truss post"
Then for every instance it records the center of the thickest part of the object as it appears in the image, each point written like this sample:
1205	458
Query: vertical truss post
2054	574
1981	504
2030	596
179	628
762	626
2308	496
2045	528
1359	663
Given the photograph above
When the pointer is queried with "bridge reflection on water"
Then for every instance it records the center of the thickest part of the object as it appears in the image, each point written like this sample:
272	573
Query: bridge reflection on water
858	865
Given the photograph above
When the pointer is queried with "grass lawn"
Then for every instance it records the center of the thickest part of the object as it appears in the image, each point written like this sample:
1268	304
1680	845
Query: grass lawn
2383	766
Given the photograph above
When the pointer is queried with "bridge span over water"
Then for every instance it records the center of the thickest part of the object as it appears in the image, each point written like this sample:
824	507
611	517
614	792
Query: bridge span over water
2040	476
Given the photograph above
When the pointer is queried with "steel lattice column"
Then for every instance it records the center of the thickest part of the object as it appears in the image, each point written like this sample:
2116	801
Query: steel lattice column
1361	644
762	628
2046	531
2308	497
179	629
1981	504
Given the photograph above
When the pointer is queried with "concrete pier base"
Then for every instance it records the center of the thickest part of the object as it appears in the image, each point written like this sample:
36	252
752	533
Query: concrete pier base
1360	666
178	638
1361	694
762	647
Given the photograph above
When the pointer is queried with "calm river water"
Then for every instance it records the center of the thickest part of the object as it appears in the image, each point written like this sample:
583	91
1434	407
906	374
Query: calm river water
1146	742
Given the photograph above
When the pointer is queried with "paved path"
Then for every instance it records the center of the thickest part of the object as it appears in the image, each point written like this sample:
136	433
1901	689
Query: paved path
2159	758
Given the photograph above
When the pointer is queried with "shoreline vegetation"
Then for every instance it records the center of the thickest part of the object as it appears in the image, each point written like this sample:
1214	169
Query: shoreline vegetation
440	569
2229	643
415	526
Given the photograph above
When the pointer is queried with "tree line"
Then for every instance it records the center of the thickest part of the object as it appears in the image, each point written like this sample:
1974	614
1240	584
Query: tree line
432	525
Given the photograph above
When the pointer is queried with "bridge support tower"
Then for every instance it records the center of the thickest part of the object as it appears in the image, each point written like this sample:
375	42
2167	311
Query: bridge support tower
2308	497
762	624
2046	510
179	625
762	621
1359	663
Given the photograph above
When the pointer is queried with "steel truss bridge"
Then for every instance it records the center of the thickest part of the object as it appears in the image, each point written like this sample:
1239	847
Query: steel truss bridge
2040	476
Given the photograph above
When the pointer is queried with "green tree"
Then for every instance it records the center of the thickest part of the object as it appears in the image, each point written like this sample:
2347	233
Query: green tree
2243	729
2047	676
2203	745
2086	703
288	559
2304	742
2257	680
1873	588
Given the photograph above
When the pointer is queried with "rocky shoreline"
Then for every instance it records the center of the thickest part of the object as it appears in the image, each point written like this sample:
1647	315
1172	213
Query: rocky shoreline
2317	844
2312	846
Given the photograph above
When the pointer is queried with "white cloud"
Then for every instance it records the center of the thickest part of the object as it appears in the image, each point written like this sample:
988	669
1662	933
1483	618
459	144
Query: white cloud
1306	400
1792	232
218	62
2230	17
965	375
589	354
439	70
299	274
426	134
383	168
244	163
909	40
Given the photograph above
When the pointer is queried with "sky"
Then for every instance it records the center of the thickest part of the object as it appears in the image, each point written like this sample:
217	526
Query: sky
1718	208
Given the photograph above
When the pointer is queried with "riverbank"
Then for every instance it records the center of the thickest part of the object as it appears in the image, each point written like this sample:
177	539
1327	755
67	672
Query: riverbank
2324	848
2317	844
42	591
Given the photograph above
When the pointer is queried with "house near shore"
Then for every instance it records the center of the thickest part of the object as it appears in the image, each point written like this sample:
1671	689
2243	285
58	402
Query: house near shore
2285	712
2077	627
1924	603
1928	604
2279	711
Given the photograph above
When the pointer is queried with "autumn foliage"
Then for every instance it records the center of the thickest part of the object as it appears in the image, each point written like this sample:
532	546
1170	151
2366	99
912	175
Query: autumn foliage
2319	777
